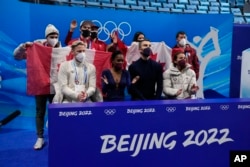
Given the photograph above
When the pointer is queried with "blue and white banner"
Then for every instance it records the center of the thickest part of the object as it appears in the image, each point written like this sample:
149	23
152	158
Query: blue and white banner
245	74
157	133
22	21
240	43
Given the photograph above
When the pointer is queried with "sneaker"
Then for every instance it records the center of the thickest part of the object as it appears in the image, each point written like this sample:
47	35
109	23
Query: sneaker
39	144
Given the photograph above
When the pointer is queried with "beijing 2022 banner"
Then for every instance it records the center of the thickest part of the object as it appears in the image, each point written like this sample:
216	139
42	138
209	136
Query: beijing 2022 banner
191	133
210	35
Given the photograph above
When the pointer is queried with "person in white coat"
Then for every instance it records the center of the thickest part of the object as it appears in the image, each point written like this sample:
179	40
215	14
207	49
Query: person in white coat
77	78
179	81
51	40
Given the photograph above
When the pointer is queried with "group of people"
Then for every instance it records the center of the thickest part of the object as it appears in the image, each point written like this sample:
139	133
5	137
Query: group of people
144	79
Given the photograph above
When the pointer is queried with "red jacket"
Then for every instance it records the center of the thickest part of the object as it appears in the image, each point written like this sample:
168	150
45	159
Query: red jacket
91	44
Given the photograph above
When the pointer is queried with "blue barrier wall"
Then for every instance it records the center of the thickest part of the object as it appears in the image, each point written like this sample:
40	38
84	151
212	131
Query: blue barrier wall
155	133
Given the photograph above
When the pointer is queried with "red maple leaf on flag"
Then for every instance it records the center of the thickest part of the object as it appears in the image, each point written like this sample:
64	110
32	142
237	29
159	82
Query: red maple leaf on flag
69	57
153	56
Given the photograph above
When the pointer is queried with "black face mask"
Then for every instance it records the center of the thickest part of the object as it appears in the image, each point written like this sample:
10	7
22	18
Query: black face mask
93	35
85	33
146	52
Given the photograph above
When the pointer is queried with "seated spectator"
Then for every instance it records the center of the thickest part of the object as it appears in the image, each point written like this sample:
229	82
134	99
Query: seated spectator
77	78
149	74
115	79
179	81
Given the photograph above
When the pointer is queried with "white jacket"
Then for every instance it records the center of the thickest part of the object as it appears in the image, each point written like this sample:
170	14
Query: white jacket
86	74
173	80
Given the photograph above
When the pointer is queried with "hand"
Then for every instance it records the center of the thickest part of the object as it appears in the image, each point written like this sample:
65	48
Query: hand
105	80
178	92
135	79
114	37
85	96
82	96
27	44
73	25
194	88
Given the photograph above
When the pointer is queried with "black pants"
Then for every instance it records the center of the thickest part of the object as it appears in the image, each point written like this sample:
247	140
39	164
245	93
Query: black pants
41	103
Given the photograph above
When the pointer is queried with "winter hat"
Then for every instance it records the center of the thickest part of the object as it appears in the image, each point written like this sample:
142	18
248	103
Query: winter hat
51	29
176	51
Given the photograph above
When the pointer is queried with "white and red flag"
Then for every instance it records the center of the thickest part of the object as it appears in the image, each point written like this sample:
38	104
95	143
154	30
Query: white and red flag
43	64
161	53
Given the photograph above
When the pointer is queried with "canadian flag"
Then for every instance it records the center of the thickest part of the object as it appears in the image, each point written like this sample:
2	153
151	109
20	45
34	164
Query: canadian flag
43	64
161	53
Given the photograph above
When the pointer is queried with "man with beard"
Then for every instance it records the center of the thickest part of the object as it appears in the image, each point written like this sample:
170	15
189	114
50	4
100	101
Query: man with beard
148	73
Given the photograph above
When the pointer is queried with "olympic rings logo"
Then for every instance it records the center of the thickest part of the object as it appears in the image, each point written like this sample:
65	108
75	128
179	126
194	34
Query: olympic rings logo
224	107
110	111
170	109
106	29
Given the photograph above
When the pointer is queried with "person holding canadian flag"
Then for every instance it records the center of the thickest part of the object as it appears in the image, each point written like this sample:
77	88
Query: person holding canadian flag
20	53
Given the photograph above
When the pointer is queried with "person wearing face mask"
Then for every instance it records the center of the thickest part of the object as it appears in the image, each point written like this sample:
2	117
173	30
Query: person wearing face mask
51	35
116	79
77	77
149	74
88	34
190	53
179	81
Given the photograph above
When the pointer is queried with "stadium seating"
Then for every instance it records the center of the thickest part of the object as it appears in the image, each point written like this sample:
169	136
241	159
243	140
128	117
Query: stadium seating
234	7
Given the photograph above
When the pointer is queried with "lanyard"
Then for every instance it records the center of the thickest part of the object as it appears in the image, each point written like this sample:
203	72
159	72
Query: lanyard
89	44
84	72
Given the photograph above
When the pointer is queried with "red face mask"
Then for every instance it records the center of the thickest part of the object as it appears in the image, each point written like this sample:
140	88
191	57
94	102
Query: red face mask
181	63
118	66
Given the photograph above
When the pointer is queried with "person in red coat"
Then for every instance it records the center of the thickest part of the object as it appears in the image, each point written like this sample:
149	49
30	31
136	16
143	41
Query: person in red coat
88	34
190	53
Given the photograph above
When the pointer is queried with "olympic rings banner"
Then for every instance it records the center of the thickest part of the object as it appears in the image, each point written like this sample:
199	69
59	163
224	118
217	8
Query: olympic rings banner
21	22
174	133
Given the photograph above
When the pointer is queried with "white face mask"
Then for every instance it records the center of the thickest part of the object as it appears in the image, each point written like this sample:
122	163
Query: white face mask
80	57
183	42
53	41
